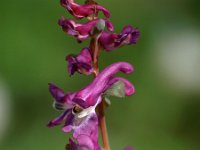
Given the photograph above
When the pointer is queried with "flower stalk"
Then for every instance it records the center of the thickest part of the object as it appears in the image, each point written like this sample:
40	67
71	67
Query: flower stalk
102	124
94	46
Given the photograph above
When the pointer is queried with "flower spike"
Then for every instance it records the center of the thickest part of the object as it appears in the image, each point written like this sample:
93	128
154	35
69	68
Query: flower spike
78	109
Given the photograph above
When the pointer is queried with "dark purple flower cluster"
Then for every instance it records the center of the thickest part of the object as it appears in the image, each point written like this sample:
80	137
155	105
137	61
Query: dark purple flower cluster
79	108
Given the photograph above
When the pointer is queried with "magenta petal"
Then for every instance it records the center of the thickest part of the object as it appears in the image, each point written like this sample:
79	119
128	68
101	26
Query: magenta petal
111	41
85	131
81	11
85	125
104	10
129	35
56	92
89	127
93	91
81	63
81	31
58	120
82	103
72	144
69	122
90	131
109	25
85	143
59	96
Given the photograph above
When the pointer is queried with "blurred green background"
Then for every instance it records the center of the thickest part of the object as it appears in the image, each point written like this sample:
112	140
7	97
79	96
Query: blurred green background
163	114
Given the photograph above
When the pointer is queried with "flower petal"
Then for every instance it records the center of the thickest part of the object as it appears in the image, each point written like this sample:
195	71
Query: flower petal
111	41
59	119
89	127
81	31
81	11
56	92
81	63
69	122
85	143
71	146
62	100
91	93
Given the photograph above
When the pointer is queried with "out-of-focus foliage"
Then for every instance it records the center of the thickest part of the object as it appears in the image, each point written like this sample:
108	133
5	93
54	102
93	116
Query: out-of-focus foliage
163	114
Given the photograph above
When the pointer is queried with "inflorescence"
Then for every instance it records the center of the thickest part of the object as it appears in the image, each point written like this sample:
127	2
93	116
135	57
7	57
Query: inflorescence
83	110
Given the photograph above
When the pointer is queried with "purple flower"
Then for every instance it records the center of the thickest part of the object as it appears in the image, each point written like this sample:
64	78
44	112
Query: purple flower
79	107
83	102
62	102
89	95
81	11
81	63
111	41
81	31
83	122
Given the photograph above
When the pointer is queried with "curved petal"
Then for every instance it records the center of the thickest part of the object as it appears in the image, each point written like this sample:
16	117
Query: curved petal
93	91
60	97
81	63
129	35
69	122
59	119
81	11
56	92
81	31
111	41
